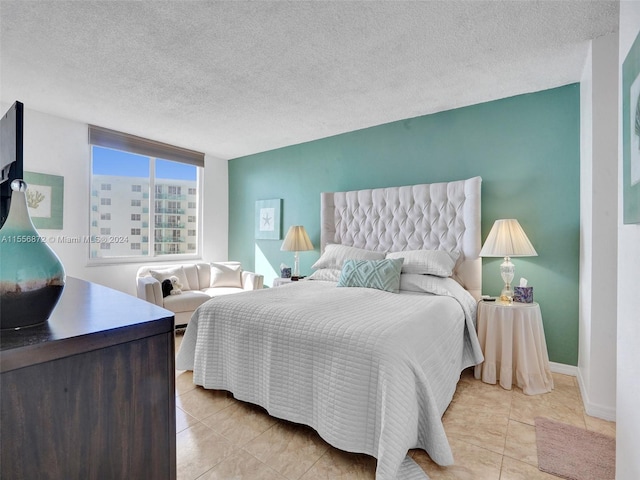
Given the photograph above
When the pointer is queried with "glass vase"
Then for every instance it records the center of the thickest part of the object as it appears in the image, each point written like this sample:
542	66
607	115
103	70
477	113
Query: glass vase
31	275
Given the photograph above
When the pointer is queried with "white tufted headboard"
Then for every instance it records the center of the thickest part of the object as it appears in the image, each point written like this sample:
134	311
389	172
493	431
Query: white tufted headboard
437	216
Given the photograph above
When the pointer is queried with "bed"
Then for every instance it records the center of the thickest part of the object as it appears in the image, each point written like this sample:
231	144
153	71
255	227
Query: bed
372	370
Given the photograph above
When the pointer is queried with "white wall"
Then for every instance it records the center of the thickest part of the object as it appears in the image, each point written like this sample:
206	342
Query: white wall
59	146
598	236
586	226
628	390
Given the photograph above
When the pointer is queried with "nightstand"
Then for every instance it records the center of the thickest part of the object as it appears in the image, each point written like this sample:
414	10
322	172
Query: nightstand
278	281
514	347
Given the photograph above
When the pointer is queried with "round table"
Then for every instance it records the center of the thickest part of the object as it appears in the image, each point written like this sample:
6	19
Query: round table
514	347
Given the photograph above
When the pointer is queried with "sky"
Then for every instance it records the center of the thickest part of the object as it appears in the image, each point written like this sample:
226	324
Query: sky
115	162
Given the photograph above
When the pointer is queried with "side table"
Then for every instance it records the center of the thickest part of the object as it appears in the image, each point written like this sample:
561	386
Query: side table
514	347
278	281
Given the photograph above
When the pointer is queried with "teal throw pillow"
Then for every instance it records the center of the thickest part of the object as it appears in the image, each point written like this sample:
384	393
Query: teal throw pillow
379	274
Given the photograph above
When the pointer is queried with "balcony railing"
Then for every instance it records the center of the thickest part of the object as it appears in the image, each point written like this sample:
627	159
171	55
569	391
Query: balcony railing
173	211
170	225
170	196
167	251
169	240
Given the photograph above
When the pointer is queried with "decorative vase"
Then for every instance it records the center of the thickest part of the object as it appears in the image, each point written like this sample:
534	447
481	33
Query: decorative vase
31	274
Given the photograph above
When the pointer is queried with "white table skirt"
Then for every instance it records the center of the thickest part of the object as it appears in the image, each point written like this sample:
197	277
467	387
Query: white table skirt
514	346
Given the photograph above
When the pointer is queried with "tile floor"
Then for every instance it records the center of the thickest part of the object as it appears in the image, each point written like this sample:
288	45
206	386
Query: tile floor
491	432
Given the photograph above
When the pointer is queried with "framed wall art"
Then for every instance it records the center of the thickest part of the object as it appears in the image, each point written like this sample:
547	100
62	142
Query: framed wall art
631	134
268	220
45	199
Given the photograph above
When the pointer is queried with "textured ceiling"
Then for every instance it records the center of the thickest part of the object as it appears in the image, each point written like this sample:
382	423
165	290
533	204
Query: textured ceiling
234	78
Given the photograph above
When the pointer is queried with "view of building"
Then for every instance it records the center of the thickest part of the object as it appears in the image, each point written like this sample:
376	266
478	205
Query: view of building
127	219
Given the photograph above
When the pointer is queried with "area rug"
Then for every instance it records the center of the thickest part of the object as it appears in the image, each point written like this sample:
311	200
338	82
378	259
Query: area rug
574	453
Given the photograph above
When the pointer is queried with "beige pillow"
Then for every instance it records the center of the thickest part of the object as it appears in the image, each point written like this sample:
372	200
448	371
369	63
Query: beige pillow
164	274
427	262
226	275
334	256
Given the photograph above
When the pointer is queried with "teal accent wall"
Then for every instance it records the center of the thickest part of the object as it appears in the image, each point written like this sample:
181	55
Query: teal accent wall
525	148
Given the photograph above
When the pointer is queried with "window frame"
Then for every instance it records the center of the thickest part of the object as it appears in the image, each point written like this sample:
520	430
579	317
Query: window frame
151	256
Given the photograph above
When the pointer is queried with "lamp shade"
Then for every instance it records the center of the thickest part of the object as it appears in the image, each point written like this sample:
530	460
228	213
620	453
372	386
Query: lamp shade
507	239
296	240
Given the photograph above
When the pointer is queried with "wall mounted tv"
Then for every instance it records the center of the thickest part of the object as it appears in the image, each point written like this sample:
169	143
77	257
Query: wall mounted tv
11	130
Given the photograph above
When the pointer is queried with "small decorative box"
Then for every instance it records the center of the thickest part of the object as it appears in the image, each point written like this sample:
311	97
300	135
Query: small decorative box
285	272
523	294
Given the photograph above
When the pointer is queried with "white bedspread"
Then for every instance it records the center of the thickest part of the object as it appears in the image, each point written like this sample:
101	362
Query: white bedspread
372	372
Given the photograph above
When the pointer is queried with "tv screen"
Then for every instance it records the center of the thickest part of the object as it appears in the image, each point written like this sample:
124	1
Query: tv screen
11	130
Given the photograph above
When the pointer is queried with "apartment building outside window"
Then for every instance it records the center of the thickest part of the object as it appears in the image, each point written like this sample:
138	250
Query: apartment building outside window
153	188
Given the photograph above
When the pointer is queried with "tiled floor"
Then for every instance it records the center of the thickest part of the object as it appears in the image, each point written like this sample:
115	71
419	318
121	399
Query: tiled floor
490	431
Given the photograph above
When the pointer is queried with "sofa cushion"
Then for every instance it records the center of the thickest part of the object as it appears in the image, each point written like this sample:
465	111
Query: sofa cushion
218	291
164	274
191	272
226	275
186	302
204	275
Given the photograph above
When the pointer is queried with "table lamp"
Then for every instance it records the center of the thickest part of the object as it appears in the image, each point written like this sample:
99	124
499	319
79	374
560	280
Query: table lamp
507	239
296	241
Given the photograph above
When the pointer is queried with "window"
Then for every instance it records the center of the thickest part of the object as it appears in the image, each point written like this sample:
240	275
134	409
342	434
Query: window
170	221
144	174
173	207
105	231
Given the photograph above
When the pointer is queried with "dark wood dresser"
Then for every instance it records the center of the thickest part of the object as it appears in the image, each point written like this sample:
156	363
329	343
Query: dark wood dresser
90	394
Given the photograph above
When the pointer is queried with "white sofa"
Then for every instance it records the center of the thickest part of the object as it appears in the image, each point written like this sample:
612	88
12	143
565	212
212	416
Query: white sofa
200	282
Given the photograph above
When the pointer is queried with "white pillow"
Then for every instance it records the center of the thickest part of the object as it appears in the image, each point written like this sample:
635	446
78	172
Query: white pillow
225	275
164	274
334	256
427	262
428	284
326	274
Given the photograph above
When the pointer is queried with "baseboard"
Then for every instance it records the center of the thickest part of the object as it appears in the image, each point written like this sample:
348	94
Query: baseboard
564	369
592	409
